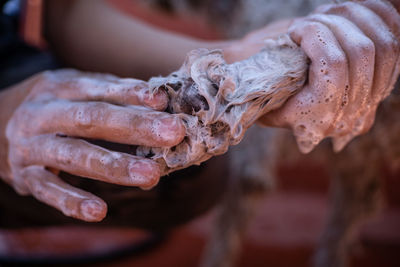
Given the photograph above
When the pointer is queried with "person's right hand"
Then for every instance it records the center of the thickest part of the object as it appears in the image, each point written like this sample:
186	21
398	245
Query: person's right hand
46	133
355	61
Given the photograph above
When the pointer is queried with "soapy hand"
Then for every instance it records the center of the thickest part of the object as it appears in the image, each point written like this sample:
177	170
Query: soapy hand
354	51
48	133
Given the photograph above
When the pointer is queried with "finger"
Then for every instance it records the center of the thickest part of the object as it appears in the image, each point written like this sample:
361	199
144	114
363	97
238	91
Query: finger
387	47
386	53
323	8
387	12
71	201
391	17
360	51
312	111
98	120
81	158
76	85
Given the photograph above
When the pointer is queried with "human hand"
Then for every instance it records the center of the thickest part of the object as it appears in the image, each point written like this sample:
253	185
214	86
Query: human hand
354	52
46	135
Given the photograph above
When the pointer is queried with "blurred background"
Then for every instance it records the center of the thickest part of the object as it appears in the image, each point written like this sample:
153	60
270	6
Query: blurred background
288	220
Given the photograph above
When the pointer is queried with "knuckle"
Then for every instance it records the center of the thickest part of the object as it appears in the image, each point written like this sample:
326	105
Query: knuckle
389	46
301	25
349	6
63	154
81	116
336	61
48	80
86	115
44	76
42	85
112	164
41	80
325	8
366	47
337	9
312	26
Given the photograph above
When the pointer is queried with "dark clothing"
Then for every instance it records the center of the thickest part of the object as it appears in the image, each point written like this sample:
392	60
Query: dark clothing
18	60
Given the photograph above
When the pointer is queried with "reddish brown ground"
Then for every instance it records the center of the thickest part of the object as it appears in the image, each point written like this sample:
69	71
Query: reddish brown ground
286	229
283	233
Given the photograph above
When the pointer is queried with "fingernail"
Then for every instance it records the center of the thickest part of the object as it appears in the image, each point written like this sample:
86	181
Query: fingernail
144	173
170	130
147	188
93	210
157	100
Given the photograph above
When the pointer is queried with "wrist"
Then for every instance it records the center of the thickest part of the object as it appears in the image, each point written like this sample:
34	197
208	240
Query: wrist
229	48
254	41
232	51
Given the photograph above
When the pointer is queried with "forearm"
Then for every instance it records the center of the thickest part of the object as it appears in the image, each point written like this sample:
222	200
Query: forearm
94	36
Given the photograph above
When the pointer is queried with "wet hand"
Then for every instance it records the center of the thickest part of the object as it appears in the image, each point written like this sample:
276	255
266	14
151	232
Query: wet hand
48	133
354	51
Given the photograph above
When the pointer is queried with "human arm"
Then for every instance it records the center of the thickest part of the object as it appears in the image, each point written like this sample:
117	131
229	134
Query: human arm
93	35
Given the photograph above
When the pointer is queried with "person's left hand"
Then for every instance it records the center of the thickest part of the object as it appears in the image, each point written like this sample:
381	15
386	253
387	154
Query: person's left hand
52	128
